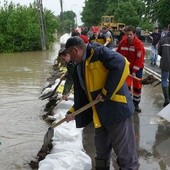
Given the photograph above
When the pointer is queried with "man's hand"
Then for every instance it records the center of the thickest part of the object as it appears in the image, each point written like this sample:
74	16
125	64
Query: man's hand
100	97
69	117
65	97
134	74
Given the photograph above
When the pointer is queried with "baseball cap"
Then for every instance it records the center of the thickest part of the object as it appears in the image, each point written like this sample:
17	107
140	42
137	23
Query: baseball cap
73	41
63	51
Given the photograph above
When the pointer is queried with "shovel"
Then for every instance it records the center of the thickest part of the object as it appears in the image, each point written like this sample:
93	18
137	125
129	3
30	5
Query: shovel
50	133
87	106
51	93
148	80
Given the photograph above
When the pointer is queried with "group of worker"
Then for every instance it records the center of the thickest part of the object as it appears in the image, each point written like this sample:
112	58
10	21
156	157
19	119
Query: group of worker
129	50
111	77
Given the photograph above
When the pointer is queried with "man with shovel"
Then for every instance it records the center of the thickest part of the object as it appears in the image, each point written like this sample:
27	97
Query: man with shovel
100	75
65	59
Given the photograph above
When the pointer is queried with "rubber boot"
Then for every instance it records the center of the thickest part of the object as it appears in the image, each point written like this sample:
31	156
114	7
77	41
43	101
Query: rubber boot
102	164
166	95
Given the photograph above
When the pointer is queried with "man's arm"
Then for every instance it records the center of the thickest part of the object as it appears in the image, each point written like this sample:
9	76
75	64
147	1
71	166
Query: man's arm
160	48
139	59
69	80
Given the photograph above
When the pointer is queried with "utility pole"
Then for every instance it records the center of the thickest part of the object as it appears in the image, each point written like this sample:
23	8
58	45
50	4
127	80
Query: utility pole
61	4
61	14
42	24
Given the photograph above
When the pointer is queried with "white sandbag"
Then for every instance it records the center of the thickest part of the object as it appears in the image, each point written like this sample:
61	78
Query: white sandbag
66	132
61	146
66	160
49	89
68	152
165	113
64	106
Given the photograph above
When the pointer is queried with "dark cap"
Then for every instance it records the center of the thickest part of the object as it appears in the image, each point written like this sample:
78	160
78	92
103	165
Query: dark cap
73	41
63	51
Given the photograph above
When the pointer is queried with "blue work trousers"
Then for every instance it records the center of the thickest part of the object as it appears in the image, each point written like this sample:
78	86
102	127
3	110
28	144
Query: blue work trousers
165	77
121	138
154	54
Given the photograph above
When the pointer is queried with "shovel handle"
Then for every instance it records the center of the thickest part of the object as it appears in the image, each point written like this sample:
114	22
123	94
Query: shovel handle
87	106
135	77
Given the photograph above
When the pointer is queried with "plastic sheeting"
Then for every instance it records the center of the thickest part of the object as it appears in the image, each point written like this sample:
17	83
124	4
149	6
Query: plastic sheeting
67	152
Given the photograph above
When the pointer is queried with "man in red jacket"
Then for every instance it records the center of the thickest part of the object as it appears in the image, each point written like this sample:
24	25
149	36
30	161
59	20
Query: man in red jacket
132	48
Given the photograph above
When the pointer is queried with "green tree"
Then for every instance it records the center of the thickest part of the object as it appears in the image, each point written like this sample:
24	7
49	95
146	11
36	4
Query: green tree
143	13
112	5
20	29
149	10
52	24
131	12
69	21
92	12
127	14
162	12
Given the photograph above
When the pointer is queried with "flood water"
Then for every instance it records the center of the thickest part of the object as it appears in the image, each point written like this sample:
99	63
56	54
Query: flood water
22	77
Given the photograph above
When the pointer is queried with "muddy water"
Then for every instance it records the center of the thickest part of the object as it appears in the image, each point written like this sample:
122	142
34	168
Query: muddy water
22	76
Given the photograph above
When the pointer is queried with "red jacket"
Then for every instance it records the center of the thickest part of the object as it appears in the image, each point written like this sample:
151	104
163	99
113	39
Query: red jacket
134	52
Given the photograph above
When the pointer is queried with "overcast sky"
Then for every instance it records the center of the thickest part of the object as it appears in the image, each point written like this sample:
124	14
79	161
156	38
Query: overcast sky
54	5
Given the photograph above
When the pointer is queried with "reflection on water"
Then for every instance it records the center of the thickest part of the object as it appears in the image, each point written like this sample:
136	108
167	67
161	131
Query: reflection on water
152	132
22	76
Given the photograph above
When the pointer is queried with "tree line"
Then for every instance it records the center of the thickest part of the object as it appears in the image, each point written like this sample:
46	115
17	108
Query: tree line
20	26
139	13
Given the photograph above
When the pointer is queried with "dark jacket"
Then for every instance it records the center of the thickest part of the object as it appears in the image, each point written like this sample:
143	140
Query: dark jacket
156	37
164	52
105	71
69	78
